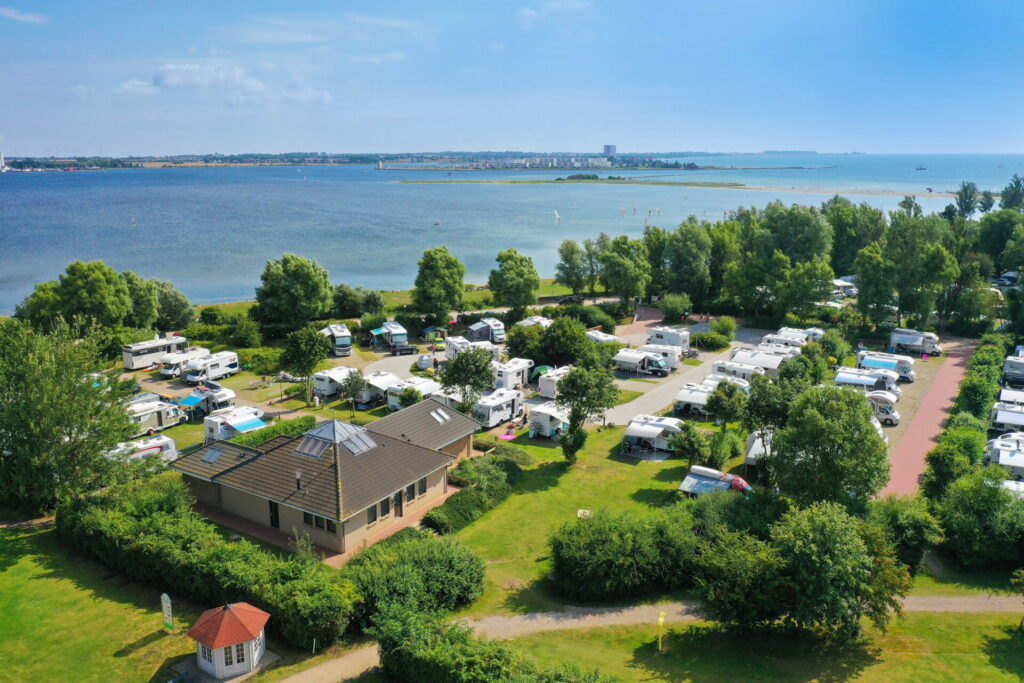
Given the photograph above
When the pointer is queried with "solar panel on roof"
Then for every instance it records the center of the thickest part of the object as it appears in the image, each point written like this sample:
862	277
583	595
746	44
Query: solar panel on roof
312	446
359	443
436	414
212	455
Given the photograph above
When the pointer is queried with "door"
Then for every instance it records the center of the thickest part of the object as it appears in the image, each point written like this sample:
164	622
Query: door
396	503
275	517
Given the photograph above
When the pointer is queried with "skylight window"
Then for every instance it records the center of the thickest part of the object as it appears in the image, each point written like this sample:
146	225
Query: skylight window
312	447
212	455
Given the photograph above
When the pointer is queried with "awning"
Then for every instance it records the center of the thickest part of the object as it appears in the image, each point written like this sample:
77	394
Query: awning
191	400
697	485
856	379
692	397
540	370
377	332
879	363
248	426
643	431
1009	417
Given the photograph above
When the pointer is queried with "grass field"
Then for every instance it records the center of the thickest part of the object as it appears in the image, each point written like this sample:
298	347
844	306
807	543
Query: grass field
627	395
921	647
549	495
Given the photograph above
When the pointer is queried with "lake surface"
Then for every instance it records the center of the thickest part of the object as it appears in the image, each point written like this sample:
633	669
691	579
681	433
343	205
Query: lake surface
210	230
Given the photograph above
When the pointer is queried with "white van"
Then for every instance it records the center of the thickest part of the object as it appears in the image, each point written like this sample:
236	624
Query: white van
868	380
740	370
426	387
672	355
173	364
160	445
213	366
784	340
497	407
547	385
512	374
669	336
883	404
877	360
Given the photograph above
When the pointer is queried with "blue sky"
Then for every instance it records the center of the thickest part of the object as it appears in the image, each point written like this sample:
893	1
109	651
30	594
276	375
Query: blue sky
119	78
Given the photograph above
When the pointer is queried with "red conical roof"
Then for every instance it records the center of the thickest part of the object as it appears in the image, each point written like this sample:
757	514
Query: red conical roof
233	623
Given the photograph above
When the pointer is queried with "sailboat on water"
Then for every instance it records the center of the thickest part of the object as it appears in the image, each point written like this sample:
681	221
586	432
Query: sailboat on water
558	219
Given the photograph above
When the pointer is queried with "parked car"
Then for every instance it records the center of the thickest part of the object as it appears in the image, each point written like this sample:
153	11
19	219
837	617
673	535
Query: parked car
403	350
569	300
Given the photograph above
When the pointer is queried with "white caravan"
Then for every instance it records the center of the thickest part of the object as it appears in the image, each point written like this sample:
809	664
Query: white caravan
226	424
537	320
426	387
903	339
647	433
173	364
739	370
497	407
784	340
878	430
669	336
1007	451
206	400
769	362
640	363
454	346
868	380
161	446
1011	397
150	416
213	366
146	353
604	338
1007	417
692	398
341	339
759	445
807	333
328	382
714	379
779	349
548	420
672	355
512	374
487	346
883	404
1013	370
547	385
901	365
377	384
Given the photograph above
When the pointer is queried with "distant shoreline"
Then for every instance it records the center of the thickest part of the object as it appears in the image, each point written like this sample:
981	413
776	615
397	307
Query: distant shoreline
707	185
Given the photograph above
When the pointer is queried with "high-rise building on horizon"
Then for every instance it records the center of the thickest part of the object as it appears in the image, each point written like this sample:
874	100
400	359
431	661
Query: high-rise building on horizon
609	150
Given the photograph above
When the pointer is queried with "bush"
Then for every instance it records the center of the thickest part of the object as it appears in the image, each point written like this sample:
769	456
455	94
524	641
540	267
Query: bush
966	421
725	445
709	341
262	361
488	482
211	315
908	525
205	332
983	522
245	333
675	307
754	513
724	325
510	452
293	427
590	316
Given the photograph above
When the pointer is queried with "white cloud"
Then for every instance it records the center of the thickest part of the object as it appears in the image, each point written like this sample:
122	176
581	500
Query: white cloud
295	29
24	17
204	74
377	60
137	86
306	95
529	17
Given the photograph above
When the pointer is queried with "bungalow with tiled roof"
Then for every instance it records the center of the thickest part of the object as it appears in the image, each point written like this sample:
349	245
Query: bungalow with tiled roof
430	424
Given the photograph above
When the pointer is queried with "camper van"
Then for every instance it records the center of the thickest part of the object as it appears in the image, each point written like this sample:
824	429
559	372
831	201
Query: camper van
513	373
160	445
487	329
769	362
714	379
213	366
538	320
497	407
1011	397
327	383
454	346
173	364
669	336
868	380
784	340
389	335
740	370
876	360
1013	370
377	385
692	399
811	334
604	338
672	355
426	387
779	349
903	339
640	363
149	417
547	385
341	339
649	434
1007	417
548	420
208	399
146	353
759	445
883	403
228	423
1007	451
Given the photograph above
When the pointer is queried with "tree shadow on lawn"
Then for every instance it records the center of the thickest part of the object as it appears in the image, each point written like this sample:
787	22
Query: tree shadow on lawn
713	652
541	478
655	497
1006	651
17	542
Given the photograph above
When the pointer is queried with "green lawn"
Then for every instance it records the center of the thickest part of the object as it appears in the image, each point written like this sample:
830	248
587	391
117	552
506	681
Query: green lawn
188	434
692	361
940	576
513	537
230	308
922	647
627	395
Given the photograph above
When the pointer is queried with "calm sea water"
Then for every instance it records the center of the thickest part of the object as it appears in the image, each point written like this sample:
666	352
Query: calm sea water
211	230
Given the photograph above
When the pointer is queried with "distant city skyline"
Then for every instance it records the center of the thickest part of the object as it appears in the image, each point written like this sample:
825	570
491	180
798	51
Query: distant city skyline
118	79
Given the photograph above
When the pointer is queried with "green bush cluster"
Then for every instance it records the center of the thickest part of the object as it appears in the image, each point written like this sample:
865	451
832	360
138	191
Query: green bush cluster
709	341
724	325
488	481
147	530
262	361
674	307
980	385
294	427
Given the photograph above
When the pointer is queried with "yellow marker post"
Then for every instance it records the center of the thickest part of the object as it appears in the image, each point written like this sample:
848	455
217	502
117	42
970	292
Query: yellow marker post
661	630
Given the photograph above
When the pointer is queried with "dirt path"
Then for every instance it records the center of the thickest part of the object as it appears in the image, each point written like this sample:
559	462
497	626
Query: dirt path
908	461
358	662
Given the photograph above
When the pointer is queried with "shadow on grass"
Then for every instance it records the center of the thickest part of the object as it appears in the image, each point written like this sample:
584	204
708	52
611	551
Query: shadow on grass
17	542
141	643
712	652
673	474
944	570
1007	650
541	478
654	497
538	595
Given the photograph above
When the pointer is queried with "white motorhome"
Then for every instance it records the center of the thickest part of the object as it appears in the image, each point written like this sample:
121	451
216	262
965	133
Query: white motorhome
547	385
779	349
513	373
143	354
547	419
640	363
426	387
784	340
327	383
149	417
1011	397
739	370
672	355
714	379
161	446
878	430
212	366
692	398
806	333
901	365
341	339
208	399
903	339
1013	370
868	380
759	445
487	329
377	384
883	404
226	424
487	346
843	288
604	338
394	334
497	407
173	364
647	434
769	362
454	346
669	336
1007	417
537	320
1007	451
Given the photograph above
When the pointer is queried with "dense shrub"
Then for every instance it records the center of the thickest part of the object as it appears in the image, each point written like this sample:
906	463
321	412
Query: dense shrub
610	556
724	325
754	513
510	452
262	361
674	307
709	341
966	421
146	530
725	445
205	332
292	427
590	316
983	522
244	333
487	480
909	526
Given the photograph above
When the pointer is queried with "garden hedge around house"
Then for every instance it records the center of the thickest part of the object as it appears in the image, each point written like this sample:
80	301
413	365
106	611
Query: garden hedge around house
293	427
486	481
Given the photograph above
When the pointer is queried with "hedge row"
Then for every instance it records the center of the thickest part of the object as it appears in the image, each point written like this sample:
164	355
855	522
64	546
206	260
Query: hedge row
294	427
488	481
709	341
147	531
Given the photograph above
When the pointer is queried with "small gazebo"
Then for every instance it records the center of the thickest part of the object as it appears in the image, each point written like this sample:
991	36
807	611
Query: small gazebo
230	639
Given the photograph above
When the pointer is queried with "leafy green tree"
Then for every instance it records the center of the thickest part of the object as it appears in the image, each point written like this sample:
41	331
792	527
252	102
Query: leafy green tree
347	301
294	291
688	253
564	341
967	199
691	445
57	418
982	520
409	396
593	252
909	206
527	341
768	405
874	282
738	578
655	241
304	349
836	348
143	297
853	227
805	285
1012	196
726	403
245	333
91	290
829	450
996	230
920	264
173	310
986	202
724	325
626	270
754	281
675	307
439	284
353	387
586	394
42	307
470	373
725	250
909	525
810	369
801	232
571	270
515	281
373	301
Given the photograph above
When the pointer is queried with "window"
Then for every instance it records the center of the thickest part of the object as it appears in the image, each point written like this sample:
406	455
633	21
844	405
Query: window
410	492
385	507
332	527
422	485
240	653
307	517
318	522
371	514
206	653
228	660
